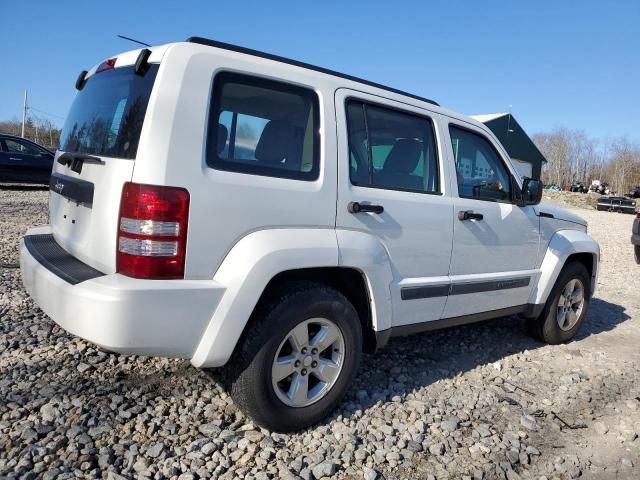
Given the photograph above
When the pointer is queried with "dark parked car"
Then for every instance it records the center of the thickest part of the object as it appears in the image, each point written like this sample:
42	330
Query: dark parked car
23	161
635	237
579	187
635	192
617	204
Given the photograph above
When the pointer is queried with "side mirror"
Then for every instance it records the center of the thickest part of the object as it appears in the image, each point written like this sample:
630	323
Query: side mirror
531	191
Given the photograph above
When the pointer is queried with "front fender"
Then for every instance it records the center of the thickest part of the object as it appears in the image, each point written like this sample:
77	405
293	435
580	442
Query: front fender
246	271
562	245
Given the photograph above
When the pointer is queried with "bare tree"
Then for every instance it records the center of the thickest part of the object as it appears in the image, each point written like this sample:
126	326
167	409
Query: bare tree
623	167
40	130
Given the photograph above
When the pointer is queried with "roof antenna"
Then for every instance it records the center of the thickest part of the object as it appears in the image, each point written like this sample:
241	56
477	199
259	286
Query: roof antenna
133	40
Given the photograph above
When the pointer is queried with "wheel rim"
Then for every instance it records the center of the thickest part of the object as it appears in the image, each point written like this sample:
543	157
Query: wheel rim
308	362
570	304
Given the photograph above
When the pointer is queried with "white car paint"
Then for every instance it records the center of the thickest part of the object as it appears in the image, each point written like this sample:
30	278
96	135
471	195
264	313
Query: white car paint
245	229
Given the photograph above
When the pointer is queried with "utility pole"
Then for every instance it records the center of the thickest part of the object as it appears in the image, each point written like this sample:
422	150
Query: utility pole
24	112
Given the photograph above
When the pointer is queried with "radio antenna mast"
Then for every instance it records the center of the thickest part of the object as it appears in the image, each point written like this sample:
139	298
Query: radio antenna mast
133	40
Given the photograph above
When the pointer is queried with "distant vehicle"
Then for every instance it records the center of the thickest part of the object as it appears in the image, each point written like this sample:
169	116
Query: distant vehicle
600	187
552	187
616	204
635	237
579	187
635	192
24	161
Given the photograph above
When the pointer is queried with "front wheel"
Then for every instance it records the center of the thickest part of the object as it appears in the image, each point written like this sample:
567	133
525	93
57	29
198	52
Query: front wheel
566	306
298	358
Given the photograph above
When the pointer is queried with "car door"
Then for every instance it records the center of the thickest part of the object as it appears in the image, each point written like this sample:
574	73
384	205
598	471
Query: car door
11	161
391	189
27	162
495	241
4	163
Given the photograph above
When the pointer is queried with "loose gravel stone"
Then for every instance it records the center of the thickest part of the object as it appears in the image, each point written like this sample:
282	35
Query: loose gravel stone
600	428
369	473
528	422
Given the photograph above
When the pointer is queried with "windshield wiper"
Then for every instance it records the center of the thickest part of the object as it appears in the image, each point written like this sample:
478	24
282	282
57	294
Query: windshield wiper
76	160
67	158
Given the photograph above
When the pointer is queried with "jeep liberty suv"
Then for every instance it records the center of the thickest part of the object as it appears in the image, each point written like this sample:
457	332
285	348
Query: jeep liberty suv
277	219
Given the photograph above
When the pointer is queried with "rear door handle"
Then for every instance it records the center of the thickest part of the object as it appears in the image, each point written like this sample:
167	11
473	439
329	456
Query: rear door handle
469	215
357	207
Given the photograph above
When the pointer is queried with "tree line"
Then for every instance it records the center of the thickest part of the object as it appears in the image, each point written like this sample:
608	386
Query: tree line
39	130
572	156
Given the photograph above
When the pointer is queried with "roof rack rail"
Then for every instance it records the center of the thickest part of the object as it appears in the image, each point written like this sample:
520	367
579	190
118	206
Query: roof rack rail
277	58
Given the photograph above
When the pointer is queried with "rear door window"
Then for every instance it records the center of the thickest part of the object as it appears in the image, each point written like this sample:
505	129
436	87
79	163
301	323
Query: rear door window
391	149
107	115
263	127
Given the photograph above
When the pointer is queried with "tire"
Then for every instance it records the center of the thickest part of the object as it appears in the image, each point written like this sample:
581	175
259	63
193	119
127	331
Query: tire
636	250
250	371
546	327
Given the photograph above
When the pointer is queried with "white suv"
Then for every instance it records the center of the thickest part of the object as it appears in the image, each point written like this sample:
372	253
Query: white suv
249	211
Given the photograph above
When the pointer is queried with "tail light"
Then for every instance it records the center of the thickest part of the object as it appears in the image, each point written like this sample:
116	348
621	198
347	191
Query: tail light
152	231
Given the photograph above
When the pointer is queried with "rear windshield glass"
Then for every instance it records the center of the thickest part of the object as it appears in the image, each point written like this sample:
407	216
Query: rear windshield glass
106	116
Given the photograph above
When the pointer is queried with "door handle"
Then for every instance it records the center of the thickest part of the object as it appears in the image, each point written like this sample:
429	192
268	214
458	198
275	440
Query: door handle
469	215
15	159
356	207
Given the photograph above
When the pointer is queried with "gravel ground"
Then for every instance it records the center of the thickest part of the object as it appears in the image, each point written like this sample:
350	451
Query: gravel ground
480	401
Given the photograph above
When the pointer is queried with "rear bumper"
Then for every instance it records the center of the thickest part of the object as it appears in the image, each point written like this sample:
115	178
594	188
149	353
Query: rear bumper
122	314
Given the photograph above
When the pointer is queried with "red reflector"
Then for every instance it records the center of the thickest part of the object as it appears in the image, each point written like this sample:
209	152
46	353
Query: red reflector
152	231
106	65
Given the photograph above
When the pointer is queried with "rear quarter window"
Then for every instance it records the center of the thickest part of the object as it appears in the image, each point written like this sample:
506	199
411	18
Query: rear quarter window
263	127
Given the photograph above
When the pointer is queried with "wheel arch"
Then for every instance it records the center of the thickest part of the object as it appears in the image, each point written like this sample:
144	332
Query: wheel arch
349	281
566	246
262	260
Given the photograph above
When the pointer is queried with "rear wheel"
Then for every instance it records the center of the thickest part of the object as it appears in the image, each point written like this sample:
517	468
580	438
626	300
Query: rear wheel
566	306
298	359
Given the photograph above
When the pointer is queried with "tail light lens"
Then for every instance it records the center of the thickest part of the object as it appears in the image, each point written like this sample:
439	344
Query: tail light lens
152	231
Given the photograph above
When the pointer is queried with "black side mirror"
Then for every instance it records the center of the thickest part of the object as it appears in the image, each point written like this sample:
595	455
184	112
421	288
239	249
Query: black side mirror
531	191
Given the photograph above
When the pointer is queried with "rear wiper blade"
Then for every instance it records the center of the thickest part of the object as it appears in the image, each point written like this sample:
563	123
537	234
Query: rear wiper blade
67	158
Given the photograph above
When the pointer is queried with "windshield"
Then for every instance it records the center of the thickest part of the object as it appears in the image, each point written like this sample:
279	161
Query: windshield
106	116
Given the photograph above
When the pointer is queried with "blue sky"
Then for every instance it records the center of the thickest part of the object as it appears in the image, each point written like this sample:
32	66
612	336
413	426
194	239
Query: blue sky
573	64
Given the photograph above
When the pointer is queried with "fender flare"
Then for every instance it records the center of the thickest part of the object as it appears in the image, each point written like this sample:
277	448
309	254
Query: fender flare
246	271
364	252
562	245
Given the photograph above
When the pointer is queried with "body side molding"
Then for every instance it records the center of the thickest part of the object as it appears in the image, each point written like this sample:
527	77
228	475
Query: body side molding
382	337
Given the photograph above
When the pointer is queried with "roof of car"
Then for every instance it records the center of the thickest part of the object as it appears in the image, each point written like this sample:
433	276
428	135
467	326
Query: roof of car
297	63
